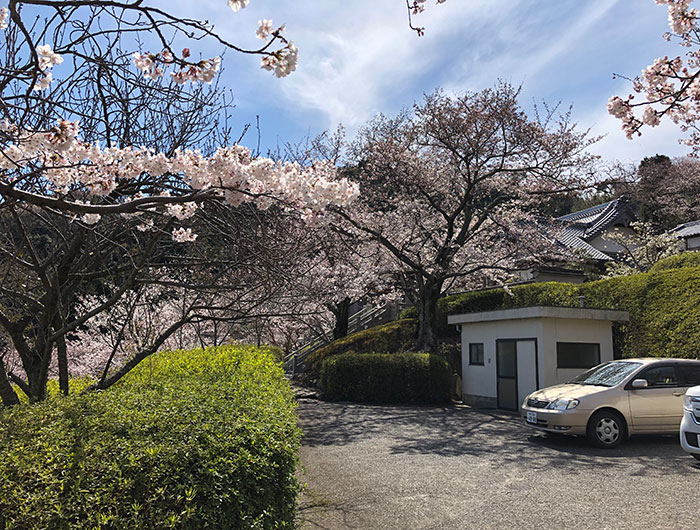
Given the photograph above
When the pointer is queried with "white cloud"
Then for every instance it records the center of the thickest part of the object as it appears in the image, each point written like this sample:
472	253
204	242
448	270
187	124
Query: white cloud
615	145
358	59
372	62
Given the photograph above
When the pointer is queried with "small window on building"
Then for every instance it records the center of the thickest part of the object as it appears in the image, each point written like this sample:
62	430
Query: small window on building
476	353
578	355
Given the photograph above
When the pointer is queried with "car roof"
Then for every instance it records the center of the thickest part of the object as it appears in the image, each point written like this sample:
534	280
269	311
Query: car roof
651	360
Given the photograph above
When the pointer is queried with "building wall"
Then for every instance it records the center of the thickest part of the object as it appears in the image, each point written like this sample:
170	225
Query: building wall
572	330
692	243
607	246
479	382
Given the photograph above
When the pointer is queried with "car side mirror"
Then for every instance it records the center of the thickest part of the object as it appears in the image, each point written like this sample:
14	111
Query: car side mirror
640	383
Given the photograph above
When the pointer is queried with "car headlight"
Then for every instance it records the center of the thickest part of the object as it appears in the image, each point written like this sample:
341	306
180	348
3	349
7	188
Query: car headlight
563	404
688	401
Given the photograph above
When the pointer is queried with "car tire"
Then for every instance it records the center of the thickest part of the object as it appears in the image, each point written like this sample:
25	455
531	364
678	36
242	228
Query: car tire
695	456
606	429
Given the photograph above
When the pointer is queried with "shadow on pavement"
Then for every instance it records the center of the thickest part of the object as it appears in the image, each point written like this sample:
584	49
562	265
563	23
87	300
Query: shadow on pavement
498	436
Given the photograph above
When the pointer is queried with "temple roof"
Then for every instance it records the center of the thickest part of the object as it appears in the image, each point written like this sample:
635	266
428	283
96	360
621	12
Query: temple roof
688	229
579	228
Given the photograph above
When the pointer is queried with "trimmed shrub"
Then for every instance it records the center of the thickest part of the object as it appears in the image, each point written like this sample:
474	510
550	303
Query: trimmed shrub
386	338
678	261
548	294
189	439
664	311
386	378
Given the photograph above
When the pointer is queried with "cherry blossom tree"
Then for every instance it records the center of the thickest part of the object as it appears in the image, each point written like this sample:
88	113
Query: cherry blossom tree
666	191
451	188
46	161
105	164
108	177
640	250
670	86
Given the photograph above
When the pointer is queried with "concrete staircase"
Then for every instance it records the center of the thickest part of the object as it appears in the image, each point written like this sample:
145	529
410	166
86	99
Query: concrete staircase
369	316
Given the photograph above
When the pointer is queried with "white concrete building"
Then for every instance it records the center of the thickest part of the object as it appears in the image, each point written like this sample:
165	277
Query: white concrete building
509	353
689	235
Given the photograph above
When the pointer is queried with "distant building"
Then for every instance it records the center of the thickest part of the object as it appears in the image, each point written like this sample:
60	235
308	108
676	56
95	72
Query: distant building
689	235
583	233
585	230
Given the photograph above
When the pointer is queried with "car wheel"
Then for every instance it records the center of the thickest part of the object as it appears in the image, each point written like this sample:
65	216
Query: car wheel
606	429
695	456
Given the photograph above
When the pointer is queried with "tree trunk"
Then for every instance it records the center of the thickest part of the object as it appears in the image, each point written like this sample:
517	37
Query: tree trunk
428	295
62	364
7	393
341	312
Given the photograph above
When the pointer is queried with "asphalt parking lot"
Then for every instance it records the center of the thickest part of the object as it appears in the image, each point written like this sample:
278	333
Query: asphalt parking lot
385	467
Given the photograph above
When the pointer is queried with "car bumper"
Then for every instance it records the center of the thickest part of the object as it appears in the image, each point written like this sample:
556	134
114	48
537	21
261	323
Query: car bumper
690	433
561	421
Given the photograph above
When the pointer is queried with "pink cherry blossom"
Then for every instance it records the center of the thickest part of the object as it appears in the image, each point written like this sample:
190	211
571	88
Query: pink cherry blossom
237	5
264	29
183	235
670	85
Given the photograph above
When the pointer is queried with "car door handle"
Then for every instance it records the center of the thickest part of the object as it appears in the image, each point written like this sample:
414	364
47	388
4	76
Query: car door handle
678	394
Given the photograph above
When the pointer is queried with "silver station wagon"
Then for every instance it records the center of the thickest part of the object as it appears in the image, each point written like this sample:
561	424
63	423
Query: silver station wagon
614	400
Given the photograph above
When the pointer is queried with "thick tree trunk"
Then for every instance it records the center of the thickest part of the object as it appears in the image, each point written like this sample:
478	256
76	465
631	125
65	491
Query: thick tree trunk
341	312
428	295
7	393
62	365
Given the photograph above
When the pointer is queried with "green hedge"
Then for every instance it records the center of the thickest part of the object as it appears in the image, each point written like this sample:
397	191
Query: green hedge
664	311
678	261
546	293
386	338
189	439
664	308
386	378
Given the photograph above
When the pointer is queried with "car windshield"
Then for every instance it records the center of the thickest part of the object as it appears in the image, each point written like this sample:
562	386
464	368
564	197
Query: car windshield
608	374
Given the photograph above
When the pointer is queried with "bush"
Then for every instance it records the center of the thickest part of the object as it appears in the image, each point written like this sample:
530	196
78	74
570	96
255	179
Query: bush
664	308
386	338
386	378
189	439
664	311
548	294
678	261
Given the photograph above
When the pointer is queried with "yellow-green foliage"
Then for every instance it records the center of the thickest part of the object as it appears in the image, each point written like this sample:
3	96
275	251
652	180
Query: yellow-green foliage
664	307
678	261
664	311
188	439
387	338
386	378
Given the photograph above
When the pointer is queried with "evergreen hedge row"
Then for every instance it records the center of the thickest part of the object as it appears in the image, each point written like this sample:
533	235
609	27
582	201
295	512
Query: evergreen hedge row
664	307
386	378
189	439
678	261
386	338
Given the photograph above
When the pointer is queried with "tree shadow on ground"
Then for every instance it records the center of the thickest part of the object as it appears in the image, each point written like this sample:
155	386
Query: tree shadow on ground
318	511
500	437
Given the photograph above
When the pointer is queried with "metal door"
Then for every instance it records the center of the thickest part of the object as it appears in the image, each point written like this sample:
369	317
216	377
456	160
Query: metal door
507	374
516	371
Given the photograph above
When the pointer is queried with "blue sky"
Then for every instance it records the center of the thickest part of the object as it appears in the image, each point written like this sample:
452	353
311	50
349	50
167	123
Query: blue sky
358	58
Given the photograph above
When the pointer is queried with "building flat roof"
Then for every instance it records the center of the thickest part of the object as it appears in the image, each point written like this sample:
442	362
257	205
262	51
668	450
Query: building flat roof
519	313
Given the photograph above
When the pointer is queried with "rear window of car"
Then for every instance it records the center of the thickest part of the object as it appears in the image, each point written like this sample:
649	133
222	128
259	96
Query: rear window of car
690	373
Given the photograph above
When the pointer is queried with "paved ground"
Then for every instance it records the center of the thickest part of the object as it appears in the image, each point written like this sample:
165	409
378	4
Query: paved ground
381	467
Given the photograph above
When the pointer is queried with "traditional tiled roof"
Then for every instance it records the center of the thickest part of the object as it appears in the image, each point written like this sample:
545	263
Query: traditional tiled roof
688	229
582	226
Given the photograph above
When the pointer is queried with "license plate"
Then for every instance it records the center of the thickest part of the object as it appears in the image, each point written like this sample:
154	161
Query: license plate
531	417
